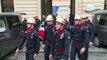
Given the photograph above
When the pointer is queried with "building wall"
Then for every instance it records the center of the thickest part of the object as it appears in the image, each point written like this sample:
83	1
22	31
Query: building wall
63	7
61	0
30	7
33	7
81	6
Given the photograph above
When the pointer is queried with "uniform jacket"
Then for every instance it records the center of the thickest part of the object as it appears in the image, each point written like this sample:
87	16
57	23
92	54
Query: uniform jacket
32	41
91	31
80	34
61	43
48	35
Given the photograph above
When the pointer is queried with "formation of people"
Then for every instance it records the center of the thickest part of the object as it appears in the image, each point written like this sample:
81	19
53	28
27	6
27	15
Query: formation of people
60	39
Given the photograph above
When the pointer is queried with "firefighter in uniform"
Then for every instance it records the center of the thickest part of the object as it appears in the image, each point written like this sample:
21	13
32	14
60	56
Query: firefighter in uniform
61	41
79	39
91	34
48	36
91	42
32	41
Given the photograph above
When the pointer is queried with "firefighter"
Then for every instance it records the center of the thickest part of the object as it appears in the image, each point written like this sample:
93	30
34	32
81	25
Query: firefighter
91	42
79	39
61	41
87	22
91	33
32	41
48	36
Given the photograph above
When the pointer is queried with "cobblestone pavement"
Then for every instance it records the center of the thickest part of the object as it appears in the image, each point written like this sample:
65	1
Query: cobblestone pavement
94	54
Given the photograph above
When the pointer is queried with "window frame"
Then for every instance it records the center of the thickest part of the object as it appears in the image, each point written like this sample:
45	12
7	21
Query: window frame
7	5
11	24
100	22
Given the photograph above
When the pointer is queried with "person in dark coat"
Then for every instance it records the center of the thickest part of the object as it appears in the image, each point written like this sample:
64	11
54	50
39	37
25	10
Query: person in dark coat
87	23
32	41
61	41
48	36
79	36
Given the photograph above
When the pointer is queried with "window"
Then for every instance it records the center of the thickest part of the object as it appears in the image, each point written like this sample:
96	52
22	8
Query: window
2	24
13	21
101	19
7	5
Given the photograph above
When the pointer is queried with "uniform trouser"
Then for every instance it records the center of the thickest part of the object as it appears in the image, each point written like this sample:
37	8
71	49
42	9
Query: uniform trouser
29	55
86	54
75	49
47	51
60	56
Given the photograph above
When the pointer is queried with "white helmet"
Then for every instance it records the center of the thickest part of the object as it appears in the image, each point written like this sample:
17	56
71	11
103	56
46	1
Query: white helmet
49	18
83	16
60	20
77	17
31	20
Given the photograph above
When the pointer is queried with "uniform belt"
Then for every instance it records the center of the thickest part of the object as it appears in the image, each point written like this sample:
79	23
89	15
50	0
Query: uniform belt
59	49
31	49
77	42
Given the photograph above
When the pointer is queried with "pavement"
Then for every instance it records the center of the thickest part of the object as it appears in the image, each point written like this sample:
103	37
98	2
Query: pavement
95	53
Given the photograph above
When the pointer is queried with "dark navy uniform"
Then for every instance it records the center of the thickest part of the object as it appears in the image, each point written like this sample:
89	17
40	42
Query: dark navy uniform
79	40
49	32
91	30
91	36
60	45
32	44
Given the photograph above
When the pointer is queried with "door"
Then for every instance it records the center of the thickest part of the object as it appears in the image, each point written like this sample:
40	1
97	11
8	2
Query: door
14	29
4	37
